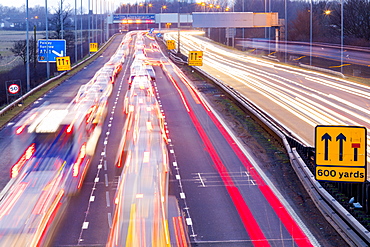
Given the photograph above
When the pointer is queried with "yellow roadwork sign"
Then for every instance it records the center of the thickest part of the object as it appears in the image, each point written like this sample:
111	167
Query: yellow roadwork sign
93	47
63	63
341	149
195	58
171	45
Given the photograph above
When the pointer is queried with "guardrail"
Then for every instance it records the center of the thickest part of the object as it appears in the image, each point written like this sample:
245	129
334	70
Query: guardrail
345	224
16	102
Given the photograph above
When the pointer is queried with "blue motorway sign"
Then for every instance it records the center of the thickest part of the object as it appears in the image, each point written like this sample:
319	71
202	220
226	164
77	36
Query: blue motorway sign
117	18
50	49
151	30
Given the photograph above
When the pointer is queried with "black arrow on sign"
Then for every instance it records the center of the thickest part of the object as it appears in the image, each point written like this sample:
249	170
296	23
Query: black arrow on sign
341	138
327	138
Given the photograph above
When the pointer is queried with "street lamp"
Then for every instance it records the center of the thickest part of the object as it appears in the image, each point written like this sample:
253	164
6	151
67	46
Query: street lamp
211	7
148	6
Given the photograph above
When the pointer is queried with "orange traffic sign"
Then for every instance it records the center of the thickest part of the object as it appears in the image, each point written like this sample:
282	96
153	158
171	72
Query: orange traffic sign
94	47
195	58
171	45
341	153
63	63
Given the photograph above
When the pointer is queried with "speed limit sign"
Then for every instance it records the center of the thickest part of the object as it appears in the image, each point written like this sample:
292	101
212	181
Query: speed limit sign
13	89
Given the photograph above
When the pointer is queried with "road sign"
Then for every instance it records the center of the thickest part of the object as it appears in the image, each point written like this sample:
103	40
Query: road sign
195	58
151	30
171	45
137	18
341	150
51	49
93	47
63	63
14	88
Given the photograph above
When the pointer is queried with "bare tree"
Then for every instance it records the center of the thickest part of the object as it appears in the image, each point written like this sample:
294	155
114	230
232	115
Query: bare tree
20	49
356	21
299	28
62	15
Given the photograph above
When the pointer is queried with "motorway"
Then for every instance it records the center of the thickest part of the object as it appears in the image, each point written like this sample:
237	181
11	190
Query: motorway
350	56
298	99
224	200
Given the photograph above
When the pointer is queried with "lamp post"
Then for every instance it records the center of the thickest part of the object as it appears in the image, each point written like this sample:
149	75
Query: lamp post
75	20
310	32
178	27
160	17
47	40
27	51
61	19
341	35
82	49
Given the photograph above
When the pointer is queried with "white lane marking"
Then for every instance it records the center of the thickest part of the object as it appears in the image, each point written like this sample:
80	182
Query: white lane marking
107	198
92	198
106	180
100	166
189	222
110	220
178	177
182	195
85	225
171	151
96	180
174	163
201	180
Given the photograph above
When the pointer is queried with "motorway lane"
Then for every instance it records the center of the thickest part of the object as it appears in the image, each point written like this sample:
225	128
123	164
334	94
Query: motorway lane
210	184
355	56
89	215
187	155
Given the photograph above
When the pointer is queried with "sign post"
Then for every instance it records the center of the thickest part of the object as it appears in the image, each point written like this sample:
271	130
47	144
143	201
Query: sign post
55	47
341	153
13	89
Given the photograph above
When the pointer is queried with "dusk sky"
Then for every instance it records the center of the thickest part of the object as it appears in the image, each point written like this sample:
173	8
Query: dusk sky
53	3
